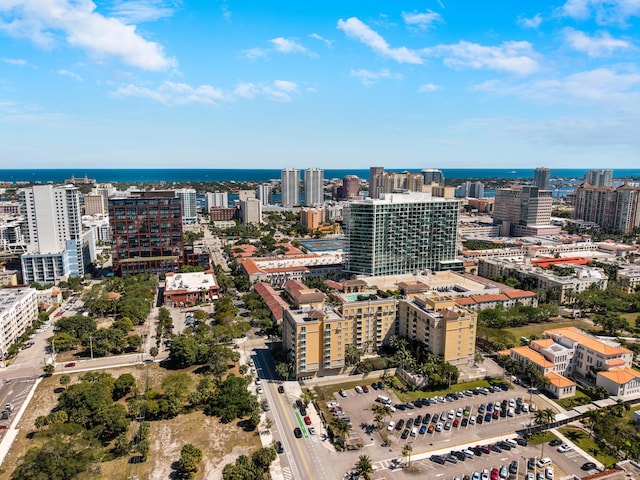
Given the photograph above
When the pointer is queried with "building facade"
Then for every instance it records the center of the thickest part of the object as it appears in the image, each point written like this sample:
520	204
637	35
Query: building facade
290	187
18	311
432	175
401	233
542	177
187	198
313	187
216	199
524	210
146	231
599	178
610	208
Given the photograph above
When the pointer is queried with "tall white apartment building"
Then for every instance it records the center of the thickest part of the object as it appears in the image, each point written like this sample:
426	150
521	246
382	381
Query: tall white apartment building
216	199
187	198
313	187
56	246
263	193
290	187
18	311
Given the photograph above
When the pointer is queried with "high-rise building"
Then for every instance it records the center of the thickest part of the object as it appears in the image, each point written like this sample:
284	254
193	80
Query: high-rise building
18	311
524	210
611	208
189	203
250	207
105	190
56	245
312	218
350	186
313	187
432	175
599	178
541	178
216	199
402	233
263	193
290	187
375	181
470	189
146	233
94	205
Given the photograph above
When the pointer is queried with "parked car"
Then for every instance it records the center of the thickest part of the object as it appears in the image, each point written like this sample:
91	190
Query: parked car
588	466
279	447
513	467
437	459
431	428
400	424
70	364
555	442
358	389
365	389
405	434
565	448
297	432
423	429
280	389
342	393
307	420
391	425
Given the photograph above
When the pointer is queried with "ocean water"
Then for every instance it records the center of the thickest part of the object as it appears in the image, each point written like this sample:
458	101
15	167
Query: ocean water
240	175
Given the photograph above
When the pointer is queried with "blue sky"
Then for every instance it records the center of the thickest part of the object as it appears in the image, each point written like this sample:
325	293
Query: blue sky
333	84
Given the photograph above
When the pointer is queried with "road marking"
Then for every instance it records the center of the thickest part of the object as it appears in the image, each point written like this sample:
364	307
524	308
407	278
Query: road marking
286	473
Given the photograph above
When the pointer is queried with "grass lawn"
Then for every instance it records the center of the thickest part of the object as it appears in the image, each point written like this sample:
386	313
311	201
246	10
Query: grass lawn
570	402
587	443
542	437
631	318
538	328
459	387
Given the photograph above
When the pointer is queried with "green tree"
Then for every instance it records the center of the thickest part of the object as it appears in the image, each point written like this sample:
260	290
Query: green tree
263	458
283	369
65	380
153	351
184	350
177	385
352	354
123	385
406	452
190	457
612	323
48	369
364	468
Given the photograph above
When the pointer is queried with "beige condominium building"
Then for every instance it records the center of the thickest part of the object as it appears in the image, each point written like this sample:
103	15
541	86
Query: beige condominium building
445	328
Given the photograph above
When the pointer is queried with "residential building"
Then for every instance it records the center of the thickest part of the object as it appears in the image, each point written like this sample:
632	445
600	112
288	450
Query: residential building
599	178
18	311
100	224
94	205
221	214
402	233
444	327
275	303
56	246
8	278
185	289
9	208
609	207
375	187
302	297
263	193
313	187
189	203
524	210
541	178
216	199
629	278
250	208
470	189
432	175
104	190
312	218
146	232
290	187
350	187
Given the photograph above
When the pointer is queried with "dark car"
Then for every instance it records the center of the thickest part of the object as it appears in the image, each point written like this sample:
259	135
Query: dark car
464	422
521	441
374	385
303	412
70	364
531	463
503	413
479	419
365	389
423	429
487	417
438	459
450	458
513	467
410	423
381	385
299	403
503	445
555	442
279	447
588	466
400	424
489	407
434	419
280	389
495	447
418	420
477	451
297	432
401	406
405	434
426	419
459	455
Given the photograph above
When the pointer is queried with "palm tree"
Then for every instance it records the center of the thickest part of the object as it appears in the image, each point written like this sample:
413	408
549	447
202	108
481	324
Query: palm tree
339	427
364	468
593	419
406	452
379	419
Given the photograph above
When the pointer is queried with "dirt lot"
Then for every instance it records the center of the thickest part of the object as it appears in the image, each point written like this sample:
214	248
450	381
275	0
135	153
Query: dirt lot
220	444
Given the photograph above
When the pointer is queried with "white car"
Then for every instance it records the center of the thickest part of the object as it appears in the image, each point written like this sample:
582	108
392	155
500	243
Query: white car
259	389
333	404
312	430
548	473
258	382
459	412
391	425
472	420
358	389
525	407
565	448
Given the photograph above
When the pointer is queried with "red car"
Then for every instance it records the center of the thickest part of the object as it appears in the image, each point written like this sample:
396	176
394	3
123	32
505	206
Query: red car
494	474
484	448
307	420
431	428
59	314
70	364
399	425
365	389
456	423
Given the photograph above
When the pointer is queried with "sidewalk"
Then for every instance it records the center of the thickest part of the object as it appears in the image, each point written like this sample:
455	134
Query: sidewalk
12	432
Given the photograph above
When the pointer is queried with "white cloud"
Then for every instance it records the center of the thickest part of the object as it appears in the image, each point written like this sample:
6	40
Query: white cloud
285	45
138	11
512	57
428	87
421	20
603	86
605	12
43	21
533	22
226	12
18	62
175	94
354	28
600	45
67	73
327	42
255	53
368	77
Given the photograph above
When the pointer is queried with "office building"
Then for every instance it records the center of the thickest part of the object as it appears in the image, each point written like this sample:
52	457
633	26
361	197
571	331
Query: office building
402	233
18	311
263	193
94	205
251	210
187	198
541	178
374	174
105	190
216	199
523	211
146	232
610	208
56	247
313	187
350	187
290	187
432	175
599	178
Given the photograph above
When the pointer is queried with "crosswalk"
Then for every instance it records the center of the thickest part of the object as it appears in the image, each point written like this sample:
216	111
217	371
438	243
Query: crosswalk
286	473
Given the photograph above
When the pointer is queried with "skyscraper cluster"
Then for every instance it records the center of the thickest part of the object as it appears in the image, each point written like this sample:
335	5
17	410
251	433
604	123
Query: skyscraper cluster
313	187
381	182
609	207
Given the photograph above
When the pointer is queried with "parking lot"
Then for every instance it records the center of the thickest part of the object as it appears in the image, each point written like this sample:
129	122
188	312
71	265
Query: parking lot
357	407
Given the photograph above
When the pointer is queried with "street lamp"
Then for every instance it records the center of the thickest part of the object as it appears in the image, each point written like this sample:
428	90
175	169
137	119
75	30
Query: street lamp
91	345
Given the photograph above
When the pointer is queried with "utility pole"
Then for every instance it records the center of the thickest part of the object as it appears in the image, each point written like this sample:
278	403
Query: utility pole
91	345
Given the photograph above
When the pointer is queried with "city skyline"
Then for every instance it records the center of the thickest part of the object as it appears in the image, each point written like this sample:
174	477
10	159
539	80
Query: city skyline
160	84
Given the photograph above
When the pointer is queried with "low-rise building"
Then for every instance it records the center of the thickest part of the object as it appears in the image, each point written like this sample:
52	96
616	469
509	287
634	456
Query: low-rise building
18	311
183	289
